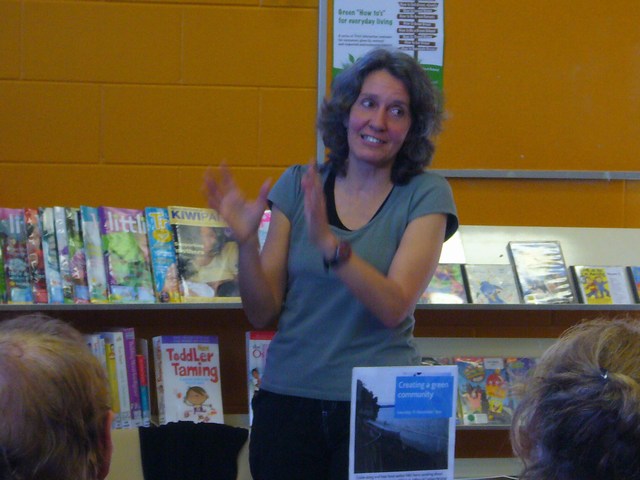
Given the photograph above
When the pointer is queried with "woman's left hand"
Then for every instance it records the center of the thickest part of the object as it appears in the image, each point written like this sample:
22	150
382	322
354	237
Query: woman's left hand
315	211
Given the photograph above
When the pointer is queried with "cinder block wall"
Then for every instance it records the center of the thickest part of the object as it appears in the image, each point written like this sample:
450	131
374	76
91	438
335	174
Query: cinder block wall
127	103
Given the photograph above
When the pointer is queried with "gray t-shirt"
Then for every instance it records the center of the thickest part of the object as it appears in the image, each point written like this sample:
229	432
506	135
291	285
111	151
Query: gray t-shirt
323	330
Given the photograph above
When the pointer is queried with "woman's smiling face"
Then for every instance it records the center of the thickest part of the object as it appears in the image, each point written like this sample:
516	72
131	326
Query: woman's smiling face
379	120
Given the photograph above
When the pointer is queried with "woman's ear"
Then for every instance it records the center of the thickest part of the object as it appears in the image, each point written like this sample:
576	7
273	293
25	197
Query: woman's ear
106	446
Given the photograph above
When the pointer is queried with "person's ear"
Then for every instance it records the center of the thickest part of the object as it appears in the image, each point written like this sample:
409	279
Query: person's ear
106	446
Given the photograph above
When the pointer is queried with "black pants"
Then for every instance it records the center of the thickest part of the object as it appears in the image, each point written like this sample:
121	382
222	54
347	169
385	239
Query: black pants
294	438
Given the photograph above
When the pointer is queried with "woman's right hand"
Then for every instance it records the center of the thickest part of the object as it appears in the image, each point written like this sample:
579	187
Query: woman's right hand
224	196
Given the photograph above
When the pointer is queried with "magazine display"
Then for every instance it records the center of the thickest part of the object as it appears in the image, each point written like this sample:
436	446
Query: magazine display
402	422
207	255
543	277
446	286
187	372
13	240
36	256
164	264
472	390
491	284
603	285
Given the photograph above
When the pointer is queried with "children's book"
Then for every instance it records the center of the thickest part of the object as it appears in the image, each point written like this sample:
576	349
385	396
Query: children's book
50	254
403	422
497	388
188	379
13	236
446	286
62	242
142	362
3	281
207	255
126	253
543	277
118	377
35	256
472	390
77	256
164	264
634	278
264	227
603	285
518	370
133	384
491	284
96	273
257	346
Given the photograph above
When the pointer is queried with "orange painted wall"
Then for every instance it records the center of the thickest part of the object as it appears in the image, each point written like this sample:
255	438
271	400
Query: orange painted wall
127	103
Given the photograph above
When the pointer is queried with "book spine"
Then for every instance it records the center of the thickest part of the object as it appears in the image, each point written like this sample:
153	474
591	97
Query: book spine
62	242
142	363
123	382
16	264
35	256
159	374
132	376
163	256
112	375
3	282
96	275
50	253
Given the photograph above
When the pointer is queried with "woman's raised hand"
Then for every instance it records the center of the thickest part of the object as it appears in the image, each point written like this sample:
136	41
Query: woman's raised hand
224	196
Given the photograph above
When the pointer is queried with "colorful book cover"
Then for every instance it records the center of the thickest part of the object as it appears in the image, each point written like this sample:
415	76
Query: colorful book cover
519	369
543	277
207	255
36	256
16	262
491	284
77	256
603	285
634	278
497	388
96	273
257	346
446	286
64	261
142	361
472	390
403	422
130	352
164	263
126	253
188	379
264	227
50	253
117	364
3	282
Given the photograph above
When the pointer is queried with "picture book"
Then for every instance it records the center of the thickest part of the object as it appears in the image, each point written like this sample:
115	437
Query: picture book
543	277
491	284
518	371
126	254
118	377
634	278
187	370
164	264
403	422
446	286
77	257
257	346
3	281
35	256
62	242
497	388
603	285
50	254
264	227
13	236
207	255
472	390
96	273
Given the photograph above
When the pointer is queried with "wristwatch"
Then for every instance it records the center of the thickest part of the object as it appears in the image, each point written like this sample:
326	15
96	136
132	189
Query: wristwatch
340	256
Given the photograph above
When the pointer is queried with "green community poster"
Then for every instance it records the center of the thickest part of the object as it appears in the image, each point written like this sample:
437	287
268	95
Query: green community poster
414	26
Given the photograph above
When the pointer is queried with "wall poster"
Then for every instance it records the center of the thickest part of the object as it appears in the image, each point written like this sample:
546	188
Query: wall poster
415	26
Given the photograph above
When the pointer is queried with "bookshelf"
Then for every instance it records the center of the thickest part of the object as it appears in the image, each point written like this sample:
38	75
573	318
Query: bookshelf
512	327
